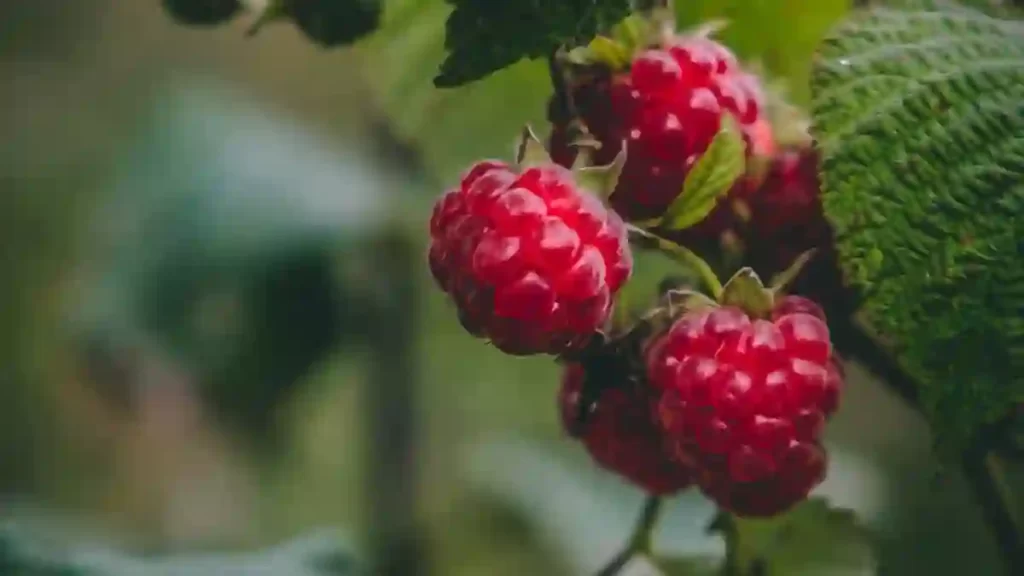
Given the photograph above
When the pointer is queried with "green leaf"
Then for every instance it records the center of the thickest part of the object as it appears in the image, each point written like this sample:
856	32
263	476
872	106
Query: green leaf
709	179
812	539
920	119
483	36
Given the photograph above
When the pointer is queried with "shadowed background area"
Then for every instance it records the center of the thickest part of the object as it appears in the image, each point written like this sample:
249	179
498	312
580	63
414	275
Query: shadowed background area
220	332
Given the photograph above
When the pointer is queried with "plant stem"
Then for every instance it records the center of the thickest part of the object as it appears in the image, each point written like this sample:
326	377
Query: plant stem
648	240
639	541
984	475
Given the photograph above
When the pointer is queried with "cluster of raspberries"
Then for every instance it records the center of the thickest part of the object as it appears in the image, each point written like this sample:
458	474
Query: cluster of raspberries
729	400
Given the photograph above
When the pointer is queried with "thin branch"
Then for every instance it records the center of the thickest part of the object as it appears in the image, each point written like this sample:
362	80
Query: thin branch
681	254
984	475
639	541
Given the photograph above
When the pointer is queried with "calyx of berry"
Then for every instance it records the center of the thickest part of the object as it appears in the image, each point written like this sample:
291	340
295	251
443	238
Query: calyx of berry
746	292
598	180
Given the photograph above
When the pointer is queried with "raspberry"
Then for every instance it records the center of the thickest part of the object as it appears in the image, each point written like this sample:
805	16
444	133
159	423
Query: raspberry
531	260
620	434
746	399
667	108
202	12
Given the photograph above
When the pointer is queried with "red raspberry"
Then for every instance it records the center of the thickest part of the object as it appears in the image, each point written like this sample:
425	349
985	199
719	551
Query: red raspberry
531	260
746	399
667	108
620	434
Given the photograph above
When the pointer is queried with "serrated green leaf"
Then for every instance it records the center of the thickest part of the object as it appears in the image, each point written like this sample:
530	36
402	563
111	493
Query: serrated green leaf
812	539
709	179
484	36
920	119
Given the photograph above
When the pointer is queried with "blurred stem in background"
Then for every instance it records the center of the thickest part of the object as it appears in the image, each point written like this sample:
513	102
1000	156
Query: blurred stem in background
397	544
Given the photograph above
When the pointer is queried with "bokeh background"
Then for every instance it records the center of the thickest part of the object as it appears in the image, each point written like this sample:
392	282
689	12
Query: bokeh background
219	332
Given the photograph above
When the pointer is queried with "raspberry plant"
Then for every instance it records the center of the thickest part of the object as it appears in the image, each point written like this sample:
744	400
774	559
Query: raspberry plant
881	227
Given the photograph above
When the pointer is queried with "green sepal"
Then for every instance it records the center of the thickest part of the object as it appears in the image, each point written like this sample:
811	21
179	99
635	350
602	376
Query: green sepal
685	300
601	180
746	291
615	50
608	52
530	150
783	279
711	178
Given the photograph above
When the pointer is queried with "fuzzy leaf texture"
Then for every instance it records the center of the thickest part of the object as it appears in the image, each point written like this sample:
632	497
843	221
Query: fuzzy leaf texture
710	179
919	114
813	539
484	36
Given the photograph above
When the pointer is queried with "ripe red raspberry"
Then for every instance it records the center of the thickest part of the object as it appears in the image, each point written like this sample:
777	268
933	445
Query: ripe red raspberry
667	107
746	399
531	260
620	434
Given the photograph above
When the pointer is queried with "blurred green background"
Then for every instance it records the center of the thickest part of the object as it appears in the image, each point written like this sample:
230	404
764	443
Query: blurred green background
213	341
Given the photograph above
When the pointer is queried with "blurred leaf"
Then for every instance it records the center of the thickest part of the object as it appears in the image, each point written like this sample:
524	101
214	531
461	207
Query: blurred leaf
781	34
450	128
812	539
919	116
332	23
224	242
691	566
26	552
711	178
483	36
202	12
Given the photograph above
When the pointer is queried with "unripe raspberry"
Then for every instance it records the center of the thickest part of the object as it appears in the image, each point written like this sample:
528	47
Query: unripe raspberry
667	107
202	12
619	432
745	399
530	259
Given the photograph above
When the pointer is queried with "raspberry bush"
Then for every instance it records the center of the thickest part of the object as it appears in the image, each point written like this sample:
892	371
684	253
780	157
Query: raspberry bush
880	227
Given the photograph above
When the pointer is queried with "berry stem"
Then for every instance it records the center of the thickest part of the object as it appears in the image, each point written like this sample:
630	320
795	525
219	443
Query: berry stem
640	540
681	254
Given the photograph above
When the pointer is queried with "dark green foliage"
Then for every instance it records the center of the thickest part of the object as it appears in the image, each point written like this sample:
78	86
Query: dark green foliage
484	36
332	23
920	118
202	12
